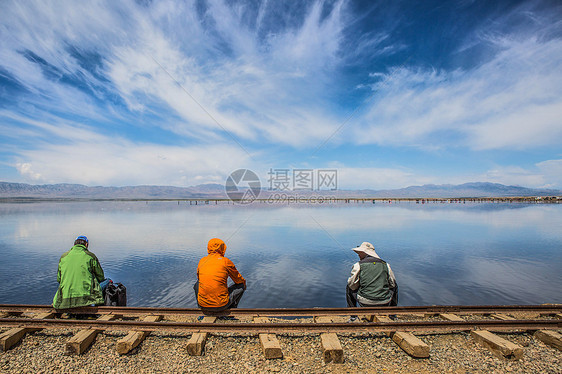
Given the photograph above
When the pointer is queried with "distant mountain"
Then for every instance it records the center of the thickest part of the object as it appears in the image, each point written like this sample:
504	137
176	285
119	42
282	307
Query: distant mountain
99	192
217	191
474	189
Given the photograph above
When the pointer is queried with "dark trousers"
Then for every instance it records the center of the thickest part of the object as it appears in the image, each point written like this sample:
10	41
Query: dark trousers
351	298
235	293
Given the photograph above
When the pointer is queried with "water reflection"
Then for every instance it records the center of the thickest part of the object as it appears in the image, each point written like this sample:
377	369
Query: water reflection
291	256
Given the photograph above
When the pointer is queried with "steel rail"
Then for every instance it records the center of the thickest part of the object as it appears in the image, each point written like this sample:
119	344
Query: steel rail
295	312
362	327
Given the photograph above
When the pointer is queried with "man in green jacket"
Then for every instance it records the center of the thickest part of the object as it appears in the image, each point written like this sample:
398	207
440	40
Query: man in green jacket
79	276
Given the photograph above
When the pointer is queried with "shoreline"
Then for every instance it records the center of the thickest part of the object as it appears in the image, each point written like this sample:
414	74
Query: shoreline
288	199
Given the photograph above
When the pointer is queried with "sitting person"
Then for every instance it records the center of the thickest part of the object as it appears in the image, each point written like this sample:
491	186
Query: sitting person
79	276
372	282
211	289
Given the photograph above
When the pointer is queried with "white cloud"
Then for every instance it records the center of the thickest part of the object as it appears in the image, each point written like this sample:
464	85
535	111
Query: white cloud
25	170
132	164
244	81
545	174
69	152
52	130
315	44
274	87
552	170
512	101
262	85
379	178
514	175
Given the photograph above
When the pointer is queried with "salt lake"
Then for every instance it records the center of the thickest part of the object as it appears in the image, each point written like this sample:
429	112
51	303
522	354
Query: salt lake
293	255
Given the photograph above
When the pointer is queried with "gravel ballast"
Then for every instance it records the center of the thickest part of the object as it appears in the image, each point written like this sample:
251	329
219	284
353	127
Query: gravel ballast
44	352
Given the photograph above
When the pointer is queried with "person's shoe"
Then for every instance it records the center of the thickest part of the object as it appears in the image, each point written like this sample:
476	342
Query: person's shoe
353	319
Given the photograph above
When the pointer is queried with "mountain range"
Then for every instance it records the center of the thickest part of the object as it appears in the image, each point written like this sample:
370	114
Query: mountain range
217	191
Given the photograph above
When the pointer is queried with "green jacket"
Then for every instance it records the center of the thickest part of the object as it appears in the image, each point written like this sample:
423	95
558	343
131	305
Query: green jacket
79	274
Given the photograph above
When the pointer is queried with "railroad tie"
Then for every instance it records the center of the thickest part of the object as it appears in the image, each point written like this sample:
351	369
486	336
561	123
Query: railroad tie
134	338
429	315
269	343
498	346
416	315
550	337
409	343
12	313
196	344
502	317
331	346
11	337
84	338
451	317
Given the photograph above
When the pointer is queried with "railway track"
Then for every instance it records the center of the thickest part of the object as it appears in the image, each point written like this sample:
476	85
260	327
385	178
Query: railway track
480	321
296	312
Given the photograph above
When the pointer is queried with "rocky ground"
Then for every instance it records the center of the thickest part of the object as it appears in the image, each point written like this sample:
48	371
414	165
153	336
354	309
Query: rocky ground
44	352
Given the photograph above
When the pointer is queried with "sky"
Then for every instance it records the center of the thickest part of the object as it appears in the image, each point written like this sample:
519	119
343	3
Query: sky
387	93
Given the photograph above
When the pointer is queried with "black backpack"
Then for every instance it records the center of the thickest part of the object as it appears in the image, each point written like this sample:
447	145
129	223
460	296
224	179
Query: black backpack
115	294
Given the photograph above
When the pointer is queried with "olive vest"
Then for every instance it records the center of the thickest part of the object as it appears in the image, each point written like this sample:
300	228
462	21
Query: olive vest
373	279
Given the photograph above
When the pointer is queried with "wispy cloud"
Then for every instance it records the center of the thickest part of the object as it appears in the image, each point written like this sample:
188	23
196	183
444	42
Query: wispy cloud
185	77
512	101
77	153
131	164
246	82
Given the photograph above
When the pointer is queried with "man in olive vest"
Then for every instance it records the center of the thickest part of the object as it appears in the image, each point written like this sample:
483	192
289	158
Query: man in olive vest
372	282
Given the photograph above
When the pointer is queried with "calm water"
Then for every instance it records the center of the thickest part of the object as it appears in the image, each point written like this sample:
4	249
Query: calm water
291	256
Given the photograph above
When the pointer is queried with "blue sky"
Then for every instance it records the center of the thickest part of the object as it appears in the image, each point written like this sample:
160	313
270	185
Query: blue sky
389	93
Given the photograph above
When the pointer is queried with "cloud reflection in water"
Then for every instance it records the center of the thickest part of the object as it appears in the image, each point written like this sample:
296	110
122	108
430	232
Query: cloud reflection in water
291	256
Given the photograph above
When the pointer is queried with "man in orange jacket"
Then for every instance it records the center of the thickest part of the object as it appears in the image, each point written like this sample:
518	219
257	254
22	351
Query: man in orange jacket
213	271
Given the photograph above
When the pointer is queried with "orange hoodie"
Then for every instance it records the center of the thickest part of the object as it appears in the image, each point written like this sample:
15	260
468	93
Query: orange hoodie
212	273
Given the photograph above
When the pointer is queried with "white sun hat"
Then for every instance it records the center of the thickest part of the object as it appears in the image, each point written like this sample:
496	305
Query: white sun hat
366	248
